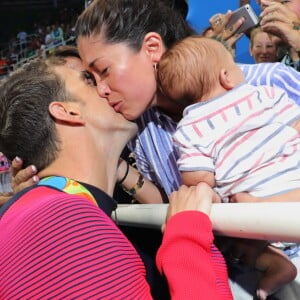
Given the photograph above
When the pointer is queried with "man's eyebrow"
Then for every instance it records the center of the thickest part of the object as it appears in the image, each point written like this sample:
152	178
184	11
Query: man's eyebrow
83	74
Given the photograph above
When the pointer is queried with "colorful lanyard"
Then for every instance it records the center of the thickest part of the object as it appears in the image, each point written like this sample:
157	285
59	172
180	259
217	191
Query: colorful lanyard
68	186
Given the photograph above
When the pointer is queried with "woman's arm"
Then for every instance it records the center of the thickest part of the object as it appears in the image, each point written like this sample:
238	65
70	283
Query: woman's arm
140	188
147	193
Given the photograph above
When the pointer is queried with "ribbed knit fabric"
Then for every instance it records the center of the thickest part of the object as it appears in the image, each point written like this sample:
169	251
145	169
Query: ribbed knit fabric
59	246
193	239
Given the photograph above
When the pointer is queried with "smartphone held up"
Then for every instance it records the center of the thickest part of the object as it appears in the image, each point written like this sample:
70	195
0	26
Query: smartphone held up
249	15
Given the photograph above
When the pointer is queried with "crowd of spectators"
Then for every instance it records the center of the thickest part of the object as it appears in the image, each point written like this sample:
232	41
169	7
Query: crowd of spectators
42	39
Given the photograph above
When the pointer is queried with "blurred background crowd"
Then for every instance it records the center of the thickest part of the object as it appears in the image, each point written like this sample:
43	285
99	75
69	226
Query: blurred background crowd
32	28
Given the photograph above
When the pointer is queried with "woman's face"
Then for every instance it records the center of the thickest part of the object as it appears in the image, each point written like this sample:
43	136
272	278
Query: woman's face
263	48
124	77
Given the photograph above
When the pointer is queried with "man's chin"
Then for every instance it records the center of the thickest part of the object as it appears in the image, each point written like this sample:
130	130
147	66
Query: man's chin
133	129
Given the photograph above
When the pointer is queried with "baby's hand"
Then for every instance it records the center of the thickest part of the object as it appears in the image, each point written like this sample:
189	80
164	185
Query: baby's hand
243	198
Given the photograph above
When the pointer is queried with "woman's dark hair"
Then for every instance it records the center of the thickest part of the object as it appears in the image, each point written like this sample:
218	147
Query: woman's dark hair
130	20
66	51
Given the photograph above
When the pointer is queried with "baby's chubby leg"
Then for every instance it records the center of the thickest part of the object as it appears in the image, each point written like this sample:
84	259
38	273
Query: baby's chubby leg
277	270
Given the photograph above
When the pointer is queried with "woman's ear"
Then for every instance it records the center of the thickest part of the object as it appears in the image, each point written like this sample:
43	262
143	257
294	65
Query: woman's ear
154	46
225	79
66	112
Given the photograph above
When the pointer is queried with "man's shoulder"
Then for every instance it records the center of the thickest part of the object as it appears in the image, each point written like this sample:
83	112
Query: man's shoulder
36	198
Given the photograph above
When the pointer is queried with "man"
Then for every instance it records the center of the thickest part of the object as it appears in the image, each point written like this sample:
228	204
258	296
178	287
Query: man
56	240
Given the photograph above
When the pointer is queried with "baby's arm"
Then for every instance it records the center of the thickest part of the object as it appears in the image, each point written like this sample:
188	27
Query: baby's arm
292	196
195	177
296	125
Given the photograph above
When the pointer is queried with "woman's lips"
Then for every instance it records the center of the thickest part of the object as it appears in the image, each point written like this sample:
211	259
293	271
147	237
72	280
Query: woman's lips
116	105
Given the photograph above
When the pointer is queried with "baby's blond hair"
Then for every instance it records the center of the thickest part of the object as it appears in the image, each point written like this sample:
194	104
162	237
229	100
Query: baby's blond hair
190	69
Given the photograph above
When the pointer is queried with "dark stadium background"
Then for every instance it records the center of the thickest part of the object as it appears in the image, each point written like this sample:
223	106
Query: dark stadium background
16	15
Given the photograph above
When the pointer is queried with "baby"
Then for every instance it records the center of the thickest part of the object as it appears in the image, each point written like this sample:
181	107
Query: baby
234	136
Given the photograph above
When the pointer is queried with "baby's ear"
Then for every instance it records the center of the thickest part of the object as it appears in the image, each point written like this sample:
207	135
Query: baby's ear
68	112
226	80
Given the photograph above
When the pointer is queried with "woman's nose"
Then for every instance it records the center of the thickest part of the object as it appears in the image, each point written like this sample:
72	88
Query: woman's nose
103	89
264	49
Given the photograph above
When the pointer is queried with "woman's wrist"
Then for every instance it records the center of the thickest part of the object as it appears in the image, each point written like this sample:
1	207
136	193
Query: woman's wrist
136	186
132	180
123	178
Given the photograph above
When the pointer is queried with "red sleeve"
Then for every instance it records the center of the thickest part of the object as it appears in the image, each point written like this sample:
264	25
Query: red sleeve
185	257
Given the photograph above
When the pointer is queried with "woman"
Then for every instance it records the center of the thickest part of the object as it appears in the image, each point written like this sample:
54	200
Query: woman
121	44
262	46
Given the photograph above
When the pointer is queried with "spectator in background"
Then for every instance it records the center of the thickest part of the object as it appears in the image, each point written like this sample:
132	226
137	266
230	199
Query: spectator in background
3	66
22	39
282	18
13	55
263	46
49	38
58	34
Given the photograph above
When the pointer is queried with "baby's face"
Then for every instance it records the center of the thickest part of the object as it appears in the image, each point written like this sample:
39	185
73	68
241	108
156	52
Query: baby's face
234	71
238	76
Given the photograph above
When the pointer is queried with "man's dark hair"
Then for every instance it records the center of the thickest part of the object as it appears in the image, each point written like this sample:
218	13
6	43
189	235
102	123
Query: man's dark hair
27	129
130	20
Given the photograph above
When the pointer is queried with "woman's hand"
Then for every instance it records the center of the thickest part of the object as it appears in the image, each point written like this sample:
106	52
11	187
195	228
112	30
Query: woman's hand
199	198
4	197
22	178
278	19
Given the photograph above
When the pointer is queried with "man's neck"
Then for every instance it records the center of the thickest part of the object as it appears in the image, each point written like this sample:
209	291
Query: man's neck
100	174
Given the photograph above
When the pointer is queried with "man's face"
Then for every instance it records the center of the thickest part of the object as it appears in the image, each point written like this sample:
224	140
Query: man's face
95	111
